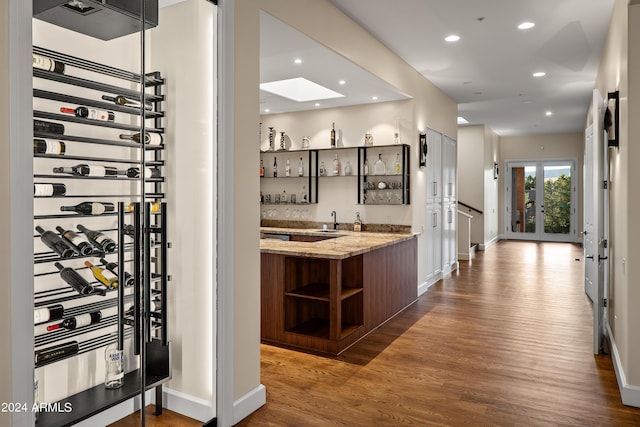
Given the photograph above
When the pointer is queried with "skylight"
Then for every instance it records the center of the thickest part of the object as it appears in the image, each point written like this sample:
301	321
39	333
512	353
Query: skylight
299	89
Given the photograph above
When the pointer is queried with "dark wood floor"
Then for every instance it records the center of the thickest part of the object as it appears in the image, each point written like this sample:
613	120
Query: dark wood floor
505	341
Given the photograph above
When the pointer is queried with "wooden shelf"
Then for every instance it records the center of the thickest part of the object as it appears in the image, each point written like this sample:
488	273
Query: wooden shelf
318	328
314	291
349	292
348	329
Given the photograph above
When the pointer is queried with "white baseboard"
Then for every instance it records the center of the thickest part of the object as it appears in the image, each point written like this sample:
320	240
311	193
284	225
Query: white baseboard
422	288
630	394
185	404
249	403
486	245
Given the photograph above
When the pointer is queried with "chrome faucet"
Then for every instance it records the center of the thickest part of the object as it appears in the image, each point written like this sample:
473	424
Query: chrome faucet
335	220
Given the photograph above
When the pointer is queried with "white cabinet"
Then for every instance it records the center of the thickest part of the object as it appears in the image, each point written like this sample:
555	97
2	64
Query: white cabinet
441	206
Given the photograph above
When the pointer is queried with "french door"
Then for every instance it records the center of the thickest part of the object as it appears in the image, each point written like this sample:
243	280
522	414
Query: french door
541	200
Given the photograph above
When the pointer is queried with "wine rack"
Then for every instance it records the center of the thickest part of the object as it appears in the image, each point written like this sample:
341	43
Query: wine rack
144	255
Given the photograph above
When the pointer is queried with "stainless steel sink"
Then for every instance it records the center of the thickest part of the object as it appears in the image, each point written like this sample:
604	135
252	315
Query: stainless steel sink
326	231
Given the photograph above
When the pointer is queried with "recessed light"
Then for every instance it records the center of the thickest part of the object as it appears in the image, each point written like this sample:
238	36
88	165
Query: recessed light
375	98
539	74
317	104
526	25
266	110
548	113
342	82
298	61
462	121
452	38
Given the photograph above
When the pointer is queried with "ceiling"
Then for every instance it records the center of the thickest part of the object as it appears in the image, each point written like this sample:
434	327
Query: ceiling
488	72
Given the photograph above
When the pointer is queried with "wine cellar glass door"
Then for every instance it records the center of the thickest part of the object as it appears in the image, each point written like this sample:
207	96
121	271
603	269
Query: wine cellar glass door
100	209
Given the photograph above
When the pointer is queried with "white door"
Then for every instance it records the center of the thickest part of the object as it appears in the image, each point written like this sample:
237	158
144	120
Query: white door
595	243
541	197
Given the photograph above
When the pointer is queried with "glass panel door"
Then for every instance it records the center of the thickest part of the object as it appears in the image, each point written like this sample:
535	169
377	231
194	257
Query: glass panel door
541	200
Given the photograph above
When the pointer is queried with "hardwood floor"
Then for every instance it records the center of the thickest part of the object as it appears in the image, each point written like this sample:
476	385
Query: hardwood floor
505	341
167	419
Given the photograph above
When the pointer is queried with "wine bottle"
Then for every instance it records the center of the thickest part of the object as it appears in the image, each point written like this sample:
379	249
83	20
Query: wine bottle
89	208
102	275
98	239
154	306
287	168
275	168
130	230
48	127
123	100
150	138
75	242
301	168
88	170
261	168
90	113
148	172
333	135
46	314
79	321
48	64
55	243
379	168
75	280
56	352
113	267
397	168
48	146
48	190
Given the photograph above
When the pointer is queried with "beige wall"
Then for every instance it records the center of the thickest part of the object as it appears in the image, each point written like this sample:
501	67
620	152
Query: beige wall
491	186
621	62
543	146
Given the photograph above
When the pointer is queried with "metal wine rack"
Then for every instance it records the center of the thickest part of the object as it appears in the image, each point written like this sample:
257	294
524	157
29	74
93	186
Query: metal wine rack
143	255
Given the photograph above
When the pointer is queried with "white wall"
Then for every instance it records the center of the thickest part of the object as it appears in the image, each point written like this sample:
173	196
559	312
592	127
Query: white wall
471	176
491	186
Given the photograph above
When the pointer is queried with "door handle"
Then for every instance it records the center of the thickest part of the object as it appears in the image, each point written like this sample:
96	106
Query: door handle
590	257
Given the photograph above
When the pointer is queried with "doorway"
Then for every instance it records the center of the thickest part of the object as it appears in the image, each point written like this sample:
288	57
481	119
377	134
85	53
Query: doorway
541	198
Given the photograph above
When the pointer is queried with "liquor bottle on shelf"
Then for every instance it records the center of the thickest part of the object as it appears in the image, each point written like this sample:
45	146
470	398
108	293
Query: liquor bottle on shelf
148	172
113	267
47	314
275	167
76	322
322	170
48	64
365	168
48	146
357	224
48	190
336	166
75	280
48	127
55	352
128	102
397	167
88	170
99	240
303	196
75	242
333	135
301	168
348	170
102	275
55	243
155	207
379	168
90	113
150	138
89	208
287	168
283	197
261	168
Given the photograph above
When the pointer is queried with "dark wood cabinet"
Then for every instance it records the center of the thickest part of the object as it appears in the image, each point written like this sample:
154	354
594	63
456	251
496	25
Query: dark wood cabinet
327	304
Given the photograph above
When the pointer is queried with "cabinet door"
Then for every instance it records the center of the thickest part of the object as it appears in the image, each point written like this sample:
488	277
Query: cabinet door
434	240
449	161
434	167
449	242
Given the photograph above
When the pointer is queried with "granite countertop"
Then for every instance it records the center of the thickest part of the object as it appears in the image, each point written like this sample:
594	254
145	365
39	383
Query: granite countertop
339	244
